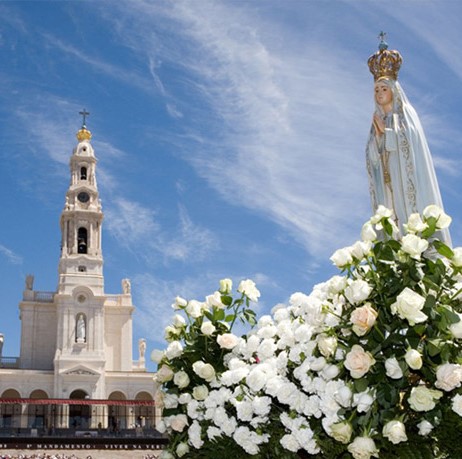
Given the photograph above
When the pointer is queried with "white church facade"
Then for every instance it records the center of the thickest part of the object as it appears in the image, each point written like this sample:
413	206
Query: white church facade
76	368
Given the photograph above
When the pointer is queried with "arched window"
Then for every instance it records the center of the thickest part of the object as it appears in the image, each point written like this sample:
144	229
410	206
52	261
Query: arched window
82	240
83	173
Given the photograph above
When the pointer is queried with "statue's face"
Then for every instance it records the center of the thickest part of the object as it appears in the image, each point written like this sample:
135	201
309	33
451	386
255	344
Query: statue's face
383	94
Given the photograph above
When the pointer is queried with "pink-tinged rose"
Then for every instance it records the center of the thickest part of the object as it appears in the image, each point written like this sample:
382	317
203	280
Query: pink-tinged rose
358	361
424	399
363	448
448	376
395	432
409	305
227	340
357	291
178	422
363	319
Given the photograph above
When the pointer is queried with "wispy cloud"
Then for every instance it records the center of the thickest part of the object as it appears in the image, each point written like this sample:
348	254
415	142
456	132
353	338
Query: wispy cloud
12	257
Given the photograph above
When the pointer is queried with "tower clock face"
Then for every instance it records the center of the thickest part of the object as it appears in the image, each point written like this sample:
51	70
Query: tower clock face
83	196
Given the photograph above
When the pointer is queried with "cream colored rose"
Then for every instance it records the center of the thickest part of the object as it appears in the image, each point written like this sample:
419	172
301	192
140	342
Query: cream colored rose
178	422
442	220
456	260
456	329
226	285
327	344
413	359
415	224
395	432
448	376
363	448
358	361
357	291
393	369
227	340
424	399
181	379
182	449
414	245
207	328
342	257
164	374
200	392
409	306
204	370
341	431
363	319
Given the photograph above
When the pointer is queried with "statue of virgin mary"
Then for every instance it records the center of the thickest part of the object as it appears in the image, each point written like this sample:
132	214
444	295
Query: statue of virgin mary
399	164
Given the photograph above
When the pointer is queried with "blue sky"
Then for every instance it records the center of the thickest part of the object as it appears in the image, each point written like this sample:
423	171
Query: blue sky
230	137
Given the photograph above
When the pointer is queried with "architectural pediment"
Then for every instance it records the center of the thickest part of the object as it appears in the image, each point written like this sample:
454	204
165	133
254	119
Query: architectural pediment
80	371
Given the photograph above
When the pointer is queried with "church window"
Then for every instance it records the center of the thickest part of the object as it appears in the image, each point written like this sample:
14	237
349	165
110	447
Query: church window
83	173
82	241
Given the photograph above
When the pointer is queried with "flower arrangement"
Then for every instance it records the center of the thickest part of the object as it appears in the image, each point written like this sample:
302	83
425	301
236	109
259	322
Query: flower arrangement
369	364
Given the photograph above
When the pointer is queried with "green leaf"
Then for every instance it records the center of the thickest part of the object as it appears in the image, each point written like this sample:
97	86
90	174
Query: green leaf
443	249
230	317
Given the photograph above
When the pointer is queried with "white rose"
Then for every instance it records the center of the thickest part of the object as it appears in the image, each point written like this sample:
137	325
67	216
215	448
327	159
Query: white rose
363	448
341	431
448	376
358	361
215	301
226	285
363	319
330	372
342	257
157	355
363	401
442	220
170	401
395	432
327	344
165	454
381	212
457	404
200	392
424	399
204	370
174	349
343	396
357	291
194	309
207	328
179	303
409	306
227	340
182	449
456	329
413	359
178	422
415	224
164	374
178	321
367	233
184	398
424	427
456	260
414	245
248	288
181	379
360	249
337	284
171	333
393	369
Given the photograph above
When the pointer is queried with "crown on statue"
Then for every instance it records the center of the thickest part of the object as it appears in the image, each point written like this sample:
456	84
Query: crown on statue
83	134
385	63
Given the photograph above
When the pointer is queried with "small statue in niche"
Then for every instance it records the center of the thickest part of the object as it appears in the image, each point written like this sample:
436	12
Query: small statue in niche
80	329
142	348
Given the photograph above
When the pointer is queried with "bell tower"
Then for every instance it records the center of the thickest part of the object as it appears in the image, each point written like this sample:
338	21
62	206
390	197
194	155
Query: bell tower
81	259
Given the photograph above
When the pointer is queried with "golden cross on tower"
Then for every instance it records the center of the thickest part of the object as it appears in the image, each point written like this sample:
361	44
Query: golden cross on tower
84	113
